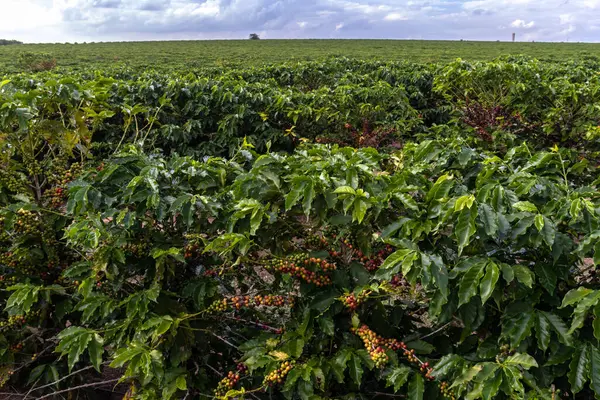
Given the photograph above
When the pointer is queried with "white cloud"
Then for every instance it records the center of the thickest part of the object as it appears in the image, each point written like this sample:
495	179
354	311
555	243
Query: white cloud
395	17
566	19
98	20
519	23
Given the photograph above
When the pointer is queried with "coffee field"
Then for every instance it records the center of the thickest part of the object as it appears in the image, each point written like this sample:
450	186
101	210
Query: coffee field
328	229
186	55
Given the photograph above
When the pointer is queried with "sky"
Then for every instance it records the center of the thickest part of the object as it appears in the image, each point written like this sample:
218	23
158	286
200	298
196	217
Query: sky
37	21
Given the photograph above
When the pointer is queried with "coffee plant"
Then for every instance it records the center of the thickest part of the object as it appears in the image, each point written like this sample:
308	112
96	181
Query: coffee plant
229	257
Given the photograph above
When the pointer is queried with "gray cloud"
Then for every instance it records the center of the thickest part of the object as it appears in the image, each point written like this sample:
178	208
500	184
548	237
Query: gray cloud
552	20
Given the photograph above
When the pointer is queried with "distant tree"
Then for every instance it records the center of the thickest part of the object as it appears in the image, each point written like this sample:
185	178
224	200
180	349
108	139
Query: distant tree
254	36
6	42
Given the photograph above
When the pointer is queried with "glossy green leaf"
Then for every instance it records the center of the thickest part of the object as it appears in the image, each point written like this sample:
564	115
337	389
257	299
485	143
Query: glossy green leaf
469	284
594	372
489	219
488	282
523	360
579	368
416	387
398	377
465	227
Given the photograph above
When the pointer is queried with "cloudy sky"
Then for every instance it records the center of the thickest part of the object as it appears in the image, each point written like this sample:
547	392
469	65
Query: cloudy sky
106	20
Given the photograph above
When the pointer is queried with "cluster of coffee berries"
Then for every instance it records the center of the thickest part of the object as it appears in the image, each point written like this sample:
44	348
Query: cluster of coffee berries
15	183
14	321
9	259
374	345
139	249
239	302
352	301
398	281
191	250
242	368
445	391
27	222
373	263
55	196
308	269
227	383
277	376
62	176
316	242
424	367
15	348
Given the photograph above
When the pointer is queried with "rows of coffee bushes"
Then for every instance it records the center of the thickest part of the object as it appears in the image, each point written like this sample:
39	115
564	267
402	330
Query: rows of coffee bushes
322	230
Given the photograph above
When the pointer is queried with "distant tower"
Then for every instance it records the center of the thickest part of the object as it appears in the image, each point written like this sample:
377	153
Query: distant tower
514	36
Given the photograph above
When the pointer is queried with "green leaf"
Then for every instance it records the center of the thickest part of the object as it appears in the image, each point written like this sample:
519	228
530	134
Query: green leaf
595	370
309	196
539	222
542	329
292	378
525	206
295	193
467	376
546	276
355	369
36	373
470	283
327	325
558	325
512	377
463	202
524	275
508	273
491	386
523	360
597	253
359	210
395	258
345	190
489	219
517	327
416	387
575	296
440	189
179	202
488	283
398	377
548	232
578	369
95	349
446	364
408	201
181	383
465	228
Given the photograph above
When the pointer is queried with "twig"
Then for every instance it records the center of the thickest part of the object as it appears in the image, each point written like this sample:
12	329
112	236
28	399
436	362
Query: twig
436	331
79	387
64	377
11	394
387	394
32	388
213	369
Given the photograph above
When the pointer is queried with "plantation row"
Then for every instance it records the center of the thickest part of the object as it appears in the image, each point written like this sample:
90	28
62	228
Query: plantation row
210	112
183	236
